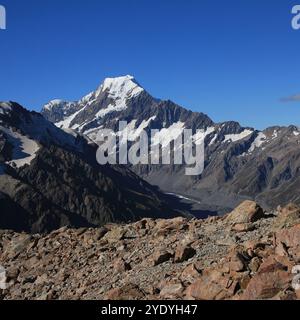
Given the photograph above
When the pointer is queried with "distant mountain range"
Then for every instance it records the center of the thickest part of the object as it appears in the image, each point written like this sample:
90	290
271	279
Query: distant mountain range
240	163
50	178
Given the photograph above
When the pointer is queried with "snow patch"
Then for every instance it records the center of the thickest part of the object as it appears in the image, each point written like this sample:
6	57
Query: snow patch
213	140
120	105
238	136
86	98
201	134
41	130
259	140
5	108
64	124
24	149
275	134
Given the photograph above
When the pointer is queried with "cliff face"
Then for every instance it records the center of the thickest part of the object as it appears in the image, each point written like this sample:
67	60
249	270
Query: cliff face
247	254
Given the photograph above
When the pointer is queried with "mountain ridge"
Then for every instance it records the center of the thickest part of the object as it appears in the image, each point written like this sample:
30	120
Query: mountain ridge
50	178
229	148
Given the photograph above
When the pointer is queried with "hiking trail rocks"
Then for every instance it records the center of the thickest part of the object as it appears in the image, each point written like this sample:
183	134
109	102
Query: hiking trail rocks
159	259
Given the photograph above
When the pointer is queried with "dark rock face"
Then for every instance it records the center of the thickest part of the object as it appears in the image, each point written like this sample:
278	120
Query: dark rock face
12	215
58	109
240	163
61	183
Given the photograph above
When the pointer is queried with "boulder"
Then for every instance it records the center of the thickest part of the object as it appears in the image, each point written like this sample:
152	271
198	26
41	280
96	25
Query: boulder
288	216
272	278
213	285
289	237
247	212
287	242
115	234
172	291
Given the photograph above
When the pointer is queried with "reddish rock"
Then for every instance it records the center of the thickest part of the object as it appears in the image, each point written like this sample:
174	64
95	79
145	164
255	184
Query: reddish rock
172	291
236	263
244	280
287	217
171	224
121	266
115	234
281	249
190	274
242	227
247	212
127	292
213	285
184	253
160	256
271	278
85	264
290	237
237	259
254	244
254	264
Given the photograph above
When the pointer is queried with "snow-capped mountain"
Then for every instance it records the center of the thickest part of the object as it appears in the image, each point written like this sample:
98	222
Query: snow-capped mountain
240	163
123	98
50	178
113	95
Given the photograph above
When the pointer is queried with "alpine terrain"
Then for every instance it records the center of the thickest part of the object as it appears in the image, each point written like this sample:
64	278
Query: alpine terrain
240	163
50	178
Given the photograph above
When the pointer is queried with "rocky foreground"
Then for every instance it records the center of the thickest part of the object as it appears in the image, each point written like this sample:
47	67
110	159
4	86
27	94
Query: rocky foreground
247	254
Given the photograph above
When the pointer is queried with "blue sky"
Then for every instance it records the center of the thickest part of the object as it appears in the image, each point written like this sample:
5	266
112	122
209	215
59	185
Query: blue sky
233	59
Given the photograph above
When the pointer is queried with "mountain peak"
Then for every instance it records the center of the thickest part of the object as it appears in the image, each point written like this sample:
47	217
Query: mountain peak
54	103
120	87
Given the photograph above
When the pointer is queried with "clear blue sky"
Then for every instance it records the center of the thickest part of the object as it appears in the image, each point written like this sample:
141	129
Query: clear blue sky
233	59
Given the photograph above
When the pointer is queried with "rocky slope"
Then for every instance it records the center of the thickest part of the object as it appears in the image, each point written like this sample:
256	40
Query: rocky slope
240	163
50	178
247	254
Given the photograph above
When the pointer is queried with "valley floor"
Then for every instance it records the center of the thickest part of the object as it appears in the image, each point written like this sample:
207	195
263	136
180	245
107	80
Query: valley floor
247	254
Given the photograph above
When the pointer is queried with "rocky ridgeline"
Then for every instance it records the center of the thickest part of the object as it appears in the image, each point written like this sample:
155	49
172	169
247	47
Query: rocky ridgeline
247	254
